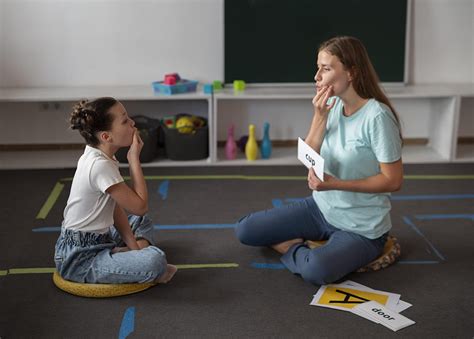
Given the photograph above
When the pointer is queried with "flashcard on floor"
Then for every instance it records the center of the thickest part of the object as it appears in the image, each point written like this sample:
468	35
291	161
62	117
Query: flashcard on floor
346	297
365	315
399	307
376	312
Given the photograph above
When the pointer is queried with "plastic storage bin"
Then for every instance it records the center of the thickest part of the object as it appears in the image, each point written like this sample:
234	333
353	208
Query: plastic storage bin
183	86
182	146
150	130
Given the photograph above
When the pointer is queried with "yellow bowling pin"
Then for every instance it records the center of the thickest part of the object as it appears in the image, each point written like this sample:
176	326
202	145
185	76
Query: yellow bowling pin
251	147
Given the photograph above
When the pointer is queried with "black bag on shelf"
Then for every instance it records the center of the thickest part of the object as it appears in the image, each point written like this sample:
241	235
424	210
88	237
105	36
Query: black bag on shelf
187	146
150	130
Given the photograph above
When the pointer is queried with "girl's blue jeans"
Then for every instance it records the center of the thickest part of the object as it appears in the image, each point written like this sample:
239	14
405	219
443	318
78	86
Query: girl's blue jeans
343	253
86	257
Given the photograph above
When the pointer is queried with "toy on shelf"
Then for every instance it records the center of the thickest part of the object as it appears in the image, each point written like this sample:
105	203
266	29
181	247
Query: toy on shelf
170	79
174	76
169	121
198	122
251	148
173	84
230	145
185	125
217	85
242	142
266	146
239	85
208	88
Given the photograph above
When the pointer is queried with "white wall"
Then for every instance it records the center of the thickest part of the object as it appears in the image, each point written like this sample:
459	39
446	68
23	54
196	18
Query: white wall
125	42
1	43
119	42
443	41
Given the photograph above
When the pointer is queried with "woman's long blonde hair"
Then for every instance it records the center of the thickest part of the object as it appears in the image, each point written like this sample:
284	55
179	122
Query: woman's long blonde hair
353	55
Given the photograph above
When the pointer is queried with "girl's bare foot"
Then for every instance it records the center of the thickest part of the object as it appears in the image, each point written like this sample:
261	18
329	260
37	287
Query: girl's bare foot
169	273
283	247
119	249
142	243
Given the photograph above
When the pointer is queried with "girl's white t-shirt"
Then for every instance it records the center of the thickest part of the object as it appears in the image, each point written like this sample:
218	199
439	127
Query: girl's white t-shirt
89	207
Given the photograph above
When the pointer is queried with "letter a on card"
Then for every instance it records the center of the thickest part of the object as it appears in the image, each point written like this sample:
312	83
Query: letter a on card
343	298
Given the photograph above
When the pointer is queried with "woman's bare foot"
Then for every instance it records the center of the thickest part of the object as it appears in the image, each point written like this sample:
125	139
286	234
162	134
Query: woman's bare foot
283	247
169	273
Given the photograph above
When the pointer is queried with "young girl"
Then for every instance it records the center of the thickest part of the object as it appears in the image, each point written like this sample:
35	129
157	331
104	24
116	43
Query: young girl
98	242
357	132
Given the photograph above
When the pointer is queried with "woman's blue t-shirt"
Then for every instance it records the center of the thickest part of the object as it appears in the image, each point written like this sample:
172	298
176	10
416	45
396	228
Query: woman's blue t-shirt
352	149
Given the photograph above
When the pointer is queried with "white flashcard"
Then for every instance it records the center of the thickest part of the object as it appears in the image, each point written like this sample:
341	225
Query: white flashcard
374	311
399	307
402	306
353	283
365	315
310	158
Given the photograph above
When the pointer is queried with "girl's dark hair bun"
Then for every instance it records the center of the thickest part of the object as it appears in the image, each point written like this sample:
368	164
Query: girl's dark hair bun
80	115
90	117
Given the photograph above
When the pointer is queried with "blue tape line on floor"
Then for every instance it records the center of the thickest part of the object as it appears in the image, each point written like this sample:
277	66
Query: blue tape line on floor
47	229
444	216
397	197
417	230
432	197
128	323
277	202
282	267
193	227
163	189
268	266
156	227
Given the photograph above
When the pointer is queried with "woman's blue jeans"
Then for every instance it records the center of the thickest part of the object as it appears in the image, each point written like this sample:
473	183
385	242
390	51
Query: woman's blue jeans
343	253
87	258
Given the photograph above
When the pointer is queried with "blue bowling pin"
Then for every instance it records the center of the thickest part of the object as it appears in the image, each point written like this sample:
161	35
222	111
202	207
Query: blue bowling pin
266	147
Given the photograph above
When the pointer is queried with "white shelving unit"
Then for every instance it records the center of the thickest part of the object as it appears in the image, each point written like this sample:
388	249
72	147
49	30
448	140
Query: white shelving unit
436	107
27	102
434	112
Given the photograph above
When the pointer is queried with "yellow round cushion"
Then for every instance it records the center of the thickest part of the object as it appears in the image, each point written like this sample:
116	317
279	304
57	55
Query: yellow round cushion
98	290
389	255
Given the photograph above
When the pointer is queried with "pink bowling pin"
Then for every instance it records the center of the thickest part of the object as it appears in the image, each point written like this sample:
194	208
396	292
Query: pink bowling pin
230	145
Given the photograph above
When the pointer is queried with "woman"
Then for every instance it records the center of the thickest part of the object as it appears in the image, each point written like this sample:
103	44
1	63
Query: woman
98	242
357	132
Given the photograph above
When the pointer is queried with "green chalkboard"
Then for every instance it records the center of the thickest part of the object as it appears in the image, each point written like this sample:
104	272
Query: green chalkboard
276	41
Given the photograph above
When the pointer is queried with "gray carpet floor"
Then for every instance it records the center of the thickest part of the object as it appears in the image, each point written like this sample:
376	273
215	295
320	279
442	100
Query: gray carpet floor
433	219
